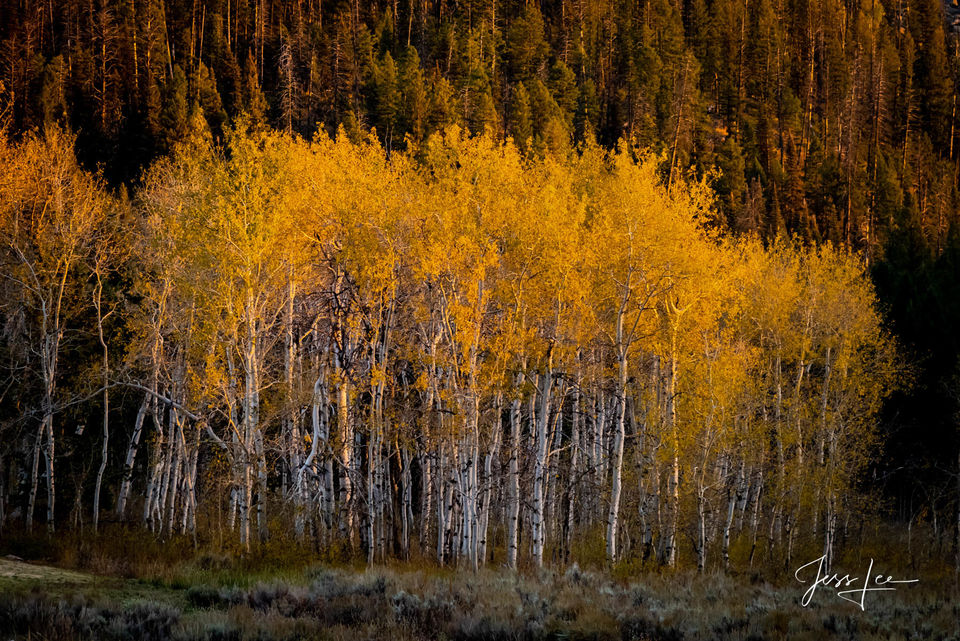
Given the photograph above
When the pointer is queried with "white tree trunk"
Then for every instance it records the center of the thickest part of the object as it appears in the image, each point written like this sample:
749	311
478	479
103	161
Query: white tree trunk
539	463
35	474
755	517
406	514
599	451
426	498
574	476
106	407
127	480
513	481
346	455
674	484
50	367
732	500
613	518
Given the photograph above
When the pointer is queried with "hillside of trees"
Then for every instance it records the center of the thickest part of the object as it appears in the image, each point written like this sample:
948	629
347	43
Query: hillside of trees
793	171
826	119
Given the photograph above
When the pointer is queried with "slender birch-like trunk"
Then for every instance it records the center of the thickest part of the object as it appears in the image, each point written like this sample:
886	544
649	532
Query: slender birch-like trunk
513	479
442	503
830	523
155	467
599	462
732	500
406	513
346	452
674	484
50	357
372	450
613	516
488	478
539	463
701	527
318	424
291	436
755	517
173	480
126	482
448	547
554	438
574	468
34	474
98	300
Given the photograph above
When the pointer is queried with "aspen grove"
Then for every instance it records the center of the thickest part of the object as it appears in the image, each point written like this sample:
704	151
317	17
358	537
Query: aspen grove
462	351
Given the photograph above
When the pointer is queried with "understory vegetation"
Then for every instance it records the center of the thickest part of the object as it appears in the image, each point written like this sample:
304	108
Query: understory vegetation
401	604
117	586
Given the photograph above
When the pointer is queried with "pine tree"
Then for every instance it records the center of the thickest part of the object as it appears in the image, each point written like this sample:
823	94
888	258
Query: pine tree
519	124
732	185
254	102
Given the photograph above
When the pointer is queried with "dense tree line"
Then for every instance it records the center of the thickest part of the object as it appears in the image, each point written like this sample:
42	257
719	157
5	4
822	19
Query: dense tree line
825	119
463	351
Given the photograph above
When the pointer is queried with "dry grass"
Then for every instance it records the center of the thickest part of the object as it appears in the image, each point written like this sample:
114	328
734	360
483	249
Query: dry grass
401	605
17	570
124	585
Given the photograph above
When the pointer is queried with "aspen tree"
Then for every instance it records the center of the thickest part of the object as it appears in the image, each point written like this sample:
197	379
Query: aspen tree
53	220
233	284
316	323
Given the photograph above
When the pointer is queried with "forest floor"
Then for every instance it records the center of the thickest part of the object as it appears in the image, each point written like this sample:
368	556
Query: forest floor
211	597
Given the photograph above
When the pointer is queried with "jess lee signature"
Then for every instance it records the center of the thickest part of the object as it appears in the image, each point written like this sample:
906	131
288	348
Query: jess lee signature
858	595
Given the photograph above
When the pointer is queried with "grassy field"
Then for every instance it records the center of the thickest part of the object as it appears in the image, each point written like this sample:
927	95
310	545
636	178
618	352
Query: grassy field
171	594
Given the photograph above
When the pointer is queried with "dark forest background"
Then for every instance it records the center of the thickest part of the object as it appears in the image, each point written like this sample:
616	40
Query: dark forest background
831	121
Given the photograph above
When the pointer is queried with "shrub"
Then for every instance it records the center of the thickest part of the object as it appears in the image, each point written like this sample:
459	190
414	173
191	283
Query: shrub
220	632
633	628
426	614
471	628
285	600
36	615
147	621
203	596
